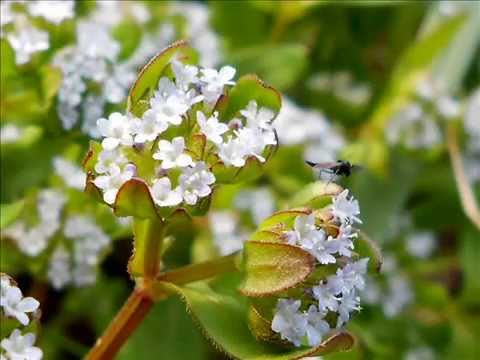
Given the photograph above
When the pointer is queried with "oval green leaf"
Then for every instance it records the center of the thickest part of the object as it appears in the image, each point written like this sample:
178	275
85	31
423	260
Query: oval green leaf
134	199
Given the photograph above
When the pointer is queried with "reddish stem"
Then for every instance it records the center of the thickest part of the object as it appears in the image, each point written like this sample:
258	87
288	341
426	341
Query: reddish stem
125	322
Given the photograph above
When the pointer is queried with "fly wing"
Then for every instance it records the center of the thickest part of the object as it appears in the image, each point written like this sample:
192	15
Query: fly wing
322	165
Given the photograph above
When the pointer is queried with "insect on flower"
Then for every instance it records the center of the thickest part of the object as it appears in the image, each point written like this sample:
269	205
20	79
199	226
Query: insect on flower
334	169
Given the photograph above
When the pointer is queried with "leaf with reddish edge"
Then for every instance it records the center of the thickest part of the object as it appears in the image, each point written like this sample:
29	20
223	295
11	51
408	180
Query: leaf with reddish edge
252	169
266	236
286	217
134	199
91	189
273	267
150	74
91	157
201	207
179	218
223	319
248	87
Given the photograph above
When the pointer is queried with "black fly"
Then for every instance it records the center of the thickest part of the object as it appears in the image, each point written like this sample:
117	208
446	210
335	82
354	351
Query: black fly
337	168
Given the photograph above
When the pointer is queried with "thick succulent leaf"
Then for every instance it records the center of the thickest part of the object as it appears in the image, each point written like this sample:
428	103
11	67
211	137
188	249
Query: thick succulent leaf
286	217
150	74
134	199
265	235
92	190
223	319
223	174
249	87
273	267
9	213
317	193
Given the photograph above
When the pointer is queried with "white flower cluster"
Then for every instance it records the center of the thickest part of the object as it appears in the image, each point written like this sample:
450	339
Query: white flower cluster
173	106
88	243
297	126
338	293
258	202
416	126
227	235
34	240
25	39
72	175
14	305
341	85
395	295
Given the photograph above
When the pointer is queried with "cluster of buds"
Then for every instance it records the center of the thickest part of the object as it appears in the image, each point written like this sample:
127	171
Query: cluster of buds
304	272
192	128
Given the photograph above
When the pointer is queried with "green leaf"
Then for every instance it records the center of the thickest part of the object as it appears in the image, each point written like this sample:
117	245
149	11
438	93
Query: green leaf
7	55
247	88
148	78
274	267
223	319
92	156
134	199
51	82
284	218
469	255
280	65
317	193
9	213
252	169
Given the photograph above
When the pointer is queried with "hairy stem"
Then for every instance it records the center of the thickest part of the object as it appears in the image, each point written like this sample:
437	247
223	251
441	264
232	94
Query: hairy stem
467	197
125	322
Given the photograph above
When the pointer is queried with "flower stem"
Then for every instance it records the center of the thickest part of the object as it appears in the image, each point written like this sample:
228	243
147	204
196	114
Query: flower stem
125	322
200	271
467	198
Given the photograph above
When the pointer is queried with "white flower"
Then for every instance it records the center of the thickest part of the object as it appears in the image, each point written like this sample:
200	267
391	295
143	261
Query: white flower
162	193
195	182
53	11
112	181
326	298
26	42
349	302
254	141
116	131
316	326
317	245
59	272
15	305
72	175
184	74
49	205
258	118
168	109
214	81
423	352
448	107
398	296
232	152
95	41
226	235
303	227
20	347
172	153
351	276
345	209
211	127
259	202
149	127
109	158
289	322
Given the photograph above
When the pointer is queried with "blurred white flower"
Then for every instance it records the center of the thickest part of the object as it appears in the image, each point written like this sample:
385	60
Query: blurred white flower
71	174
26	42
227	236
20	347
53	11
59	268
10	133
421	244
